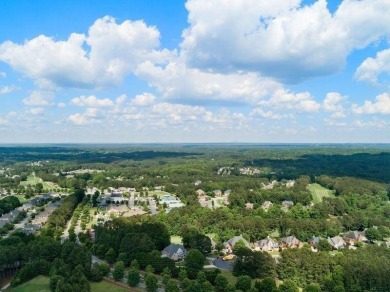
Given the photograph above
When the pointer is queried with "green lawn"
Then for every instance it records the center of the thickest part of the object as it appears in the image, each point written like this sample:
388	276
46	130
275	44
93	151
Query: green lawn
33	180
105	286
38	284
159	194
41	284
176	239
22	199
319	192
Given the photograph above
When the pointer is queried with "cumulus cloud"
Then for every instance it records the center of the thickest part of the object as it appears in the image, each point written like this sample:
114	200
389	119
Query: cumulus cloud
269	114
39	98
176	80
2	121
103	57
333	103
89	117
7	89
92	101
144	99
283	99
35	111
380	106
281	38
371	69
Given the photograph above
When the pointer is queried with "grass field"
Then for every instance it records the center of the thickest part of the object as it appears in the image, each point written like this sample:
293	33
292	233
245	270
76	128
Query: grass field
33	180
319	192
176	239
41	284
38	284
105	286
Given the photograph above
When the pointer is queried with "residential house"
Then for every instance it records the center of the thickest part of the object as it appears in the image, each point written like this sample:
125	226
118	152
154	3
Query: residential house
287	204
198	182
266	205
227	193
314	241
31	228
217	193
336	242
175	252
229	245
354	236
200	192
267	244
290	242
249	206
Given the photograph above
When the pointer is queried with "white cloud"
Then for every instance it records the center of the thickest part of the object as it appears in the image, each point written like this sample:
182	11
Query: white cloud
269	114
39	98
280	38
177	81
36	111
380	106
102	58
333	103
89	117
61	104
144	99
2	121
283	99
371	69
7	89
92	101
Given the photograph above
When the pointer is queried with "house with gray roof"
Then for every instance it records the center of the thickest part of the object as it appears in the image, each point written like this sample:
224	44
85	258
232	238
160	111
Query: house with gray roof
229	245
336	242
175	252
290	242
267	244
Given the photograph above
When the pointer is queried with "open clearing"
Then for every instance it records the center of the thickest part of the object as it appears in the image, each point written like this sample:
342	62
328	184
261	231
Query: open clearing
319	192
33	180
39	284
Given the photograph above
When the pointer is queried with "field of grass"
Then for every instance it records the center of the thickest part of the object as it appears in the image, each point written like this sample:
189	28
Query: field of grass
39	284
33	180
159	194
105	286
176	239
319	192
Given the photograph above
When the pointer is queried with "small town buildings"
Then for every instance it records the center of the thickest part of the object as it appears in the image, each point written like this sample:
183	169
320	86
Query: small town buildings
175	252
336	242
267	244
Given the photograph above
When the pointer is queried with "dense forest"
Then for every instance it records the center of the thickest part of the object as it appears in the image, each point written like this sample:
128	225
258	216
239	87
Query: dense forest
354	178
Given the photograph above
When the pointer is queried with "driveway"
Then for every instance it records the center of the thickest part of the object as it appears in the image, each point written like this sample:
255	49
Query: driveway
223	265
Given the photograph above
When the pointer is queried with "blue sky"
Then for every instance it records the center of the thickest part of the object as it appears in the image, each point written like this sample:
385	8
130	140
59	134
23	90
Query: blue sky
194	71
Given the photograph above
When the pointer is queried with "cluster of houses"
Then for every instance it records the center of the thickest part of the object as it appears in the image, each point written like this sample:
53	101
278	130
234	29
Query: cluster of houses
220	198
249	171
39	220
